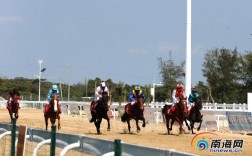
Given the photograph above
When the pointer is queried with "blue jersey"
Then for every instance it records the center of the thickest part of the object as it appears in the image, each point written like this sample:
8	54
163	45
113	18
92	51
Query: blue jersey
193	97
133	95
50	93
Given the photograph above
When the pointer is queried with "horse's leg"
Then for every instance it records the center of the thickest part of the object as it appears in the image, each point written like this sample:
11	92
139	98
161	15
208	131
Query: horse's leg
10	112
128	122
46	121
108	121
59	127
143	122
199	125
192	126
16	115
167	124
172	122
97	125
187	124
53	120
138	128
180	127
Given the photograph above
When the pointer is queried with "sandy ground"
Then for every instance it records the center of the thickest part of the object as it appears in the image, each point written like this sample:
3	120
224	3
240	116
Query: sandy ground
153	135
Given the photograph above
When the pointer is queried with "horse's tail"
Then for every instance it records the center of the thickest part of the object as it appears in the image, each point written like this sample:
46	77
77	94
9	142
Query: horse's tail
124	117
164	111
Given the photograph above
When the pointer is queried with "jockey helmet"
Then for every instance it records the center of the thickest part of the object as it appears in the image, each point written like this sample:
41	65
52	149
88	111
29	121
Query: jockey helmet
137	87
54	87
194	90
103	84
179	86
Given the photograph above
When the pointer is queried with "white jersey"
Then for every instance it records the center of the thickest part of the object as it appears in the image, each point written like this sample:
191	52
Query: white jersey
174	98
99	91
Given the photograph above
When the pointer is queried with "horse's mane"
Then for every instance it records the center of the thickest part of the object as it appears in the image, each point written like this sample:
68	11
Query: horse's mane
198	103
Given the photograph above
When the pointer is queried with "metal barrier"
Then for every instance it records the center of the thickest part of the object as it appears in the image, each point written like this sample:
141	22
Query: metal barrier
88	144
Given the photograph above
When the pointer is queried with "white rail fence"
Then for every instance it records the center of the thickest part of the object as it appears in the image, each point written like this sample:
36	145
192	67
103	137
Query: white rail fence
206	106
152	111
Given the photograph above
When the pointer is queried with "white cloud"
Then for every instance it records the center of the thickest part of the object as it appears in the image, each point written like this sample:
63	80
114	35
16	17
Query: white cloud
11	19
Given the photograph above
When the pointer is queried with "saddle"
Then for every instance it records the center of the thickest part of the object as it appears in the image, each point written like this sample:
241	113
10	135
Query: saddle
10	104
171	110
128	108
93	106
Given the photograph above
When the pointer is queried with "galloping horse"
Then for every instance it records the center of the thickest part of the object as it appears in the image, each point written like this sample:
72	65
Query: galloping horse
195	115
13	107
52	111
135	112
99	110
178	115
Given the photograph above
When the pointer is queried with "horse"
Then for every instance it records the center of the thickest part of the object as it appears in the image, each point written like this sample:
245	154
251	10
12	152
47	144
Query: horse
178	115
52	111
13	107
99	110
195	115
135	112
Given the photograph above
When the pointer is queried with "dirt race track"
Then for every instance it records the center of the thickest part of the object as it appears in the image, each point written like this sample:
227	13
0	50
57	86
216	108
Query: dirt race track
152	135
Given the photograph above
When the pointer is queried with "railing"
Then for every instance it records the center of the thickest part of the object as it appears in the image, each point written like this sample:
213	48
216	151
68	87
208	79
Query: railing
85	144
211	106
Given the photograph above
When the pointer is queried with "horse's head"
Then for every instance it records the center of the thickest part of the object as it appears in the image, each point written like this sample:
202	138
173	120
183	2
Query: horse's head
54	102
15	98
198	103
105	98
183	104
140	103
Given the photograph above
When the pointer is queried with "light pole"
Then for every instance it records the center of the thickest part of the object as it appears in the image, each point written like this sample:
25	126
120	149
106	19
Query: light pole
188	47
39	76
156	84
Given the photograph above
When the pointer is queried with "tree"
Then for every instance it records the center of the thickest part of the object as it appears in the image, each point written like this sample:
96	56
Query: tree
246	74
171	75
222	70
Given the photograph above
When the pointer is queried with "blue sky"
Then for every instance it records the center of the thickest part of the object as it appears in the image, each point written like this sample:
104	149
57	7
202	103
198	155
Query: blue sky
117	39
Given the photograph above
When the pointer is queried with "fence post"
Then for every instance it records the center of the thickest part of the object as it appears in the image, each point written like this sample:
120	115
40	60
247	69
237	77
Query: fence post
244	107
13	136
53	140
215	106
118	150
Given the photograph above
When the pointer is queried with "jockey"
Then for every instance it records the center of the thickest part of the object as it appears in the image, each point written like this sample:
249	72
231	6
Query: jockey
136	93
100	89
192	97
98	94
179	91
52	91
10	96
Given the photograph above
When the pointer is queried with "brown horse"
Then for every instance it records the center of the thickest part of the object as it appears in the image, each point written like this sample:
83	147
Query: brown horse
13	107
52	111
178	115
135	112
195	115
99	110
